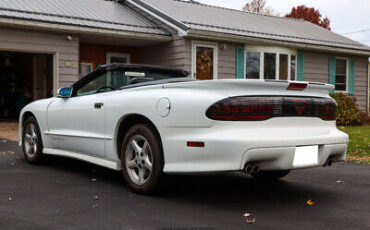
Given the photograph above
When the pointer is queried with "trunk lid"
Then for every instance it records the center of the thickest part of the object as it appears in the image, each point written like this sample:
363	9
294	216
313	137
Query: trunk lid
236	87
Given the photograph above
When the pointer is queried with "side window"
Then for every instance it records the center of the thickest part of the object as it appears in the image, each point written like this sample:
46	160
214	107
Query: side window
92	86
118	79
114	79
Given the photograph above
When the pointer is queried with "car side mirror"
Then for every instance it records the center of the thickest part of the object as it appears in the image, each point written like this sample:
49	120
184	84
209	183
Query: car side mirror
65	92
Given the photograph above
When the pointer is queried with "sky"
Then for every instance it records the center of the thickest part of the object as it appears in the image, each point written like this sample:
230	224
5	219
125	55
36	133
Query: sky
346	16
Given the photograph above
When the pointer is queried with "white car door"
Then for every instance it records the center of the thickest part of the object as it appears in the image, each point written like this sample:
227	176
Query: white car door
76	124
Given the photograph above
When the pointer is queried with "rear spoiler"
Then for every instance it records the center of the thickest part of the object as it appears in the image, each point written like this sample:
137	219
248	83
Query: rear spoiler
286	81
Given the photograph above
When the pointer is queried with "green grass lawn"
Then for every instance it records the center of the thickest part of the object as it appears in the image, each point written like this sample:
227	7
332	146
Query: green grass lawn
359	143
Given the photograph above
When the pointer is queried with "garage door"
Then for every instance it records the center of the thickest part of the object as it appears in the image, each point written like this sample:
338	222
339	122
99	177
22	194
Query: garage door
24	77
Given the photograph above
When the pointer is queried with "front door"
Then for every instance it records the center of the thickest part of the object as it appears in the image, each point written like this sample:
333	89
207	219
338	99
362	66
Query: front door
77	124
204	66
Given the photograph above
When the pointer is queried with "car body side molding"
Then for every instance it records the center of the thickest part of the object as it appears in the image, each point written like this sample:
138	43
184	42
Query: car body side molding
80	156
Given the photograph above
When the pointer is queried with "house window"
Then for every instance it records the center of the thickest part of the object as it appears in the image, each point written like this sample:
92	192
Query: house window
121	58
283	67
270	63
252	65
269	66
204	61
293	67
341	75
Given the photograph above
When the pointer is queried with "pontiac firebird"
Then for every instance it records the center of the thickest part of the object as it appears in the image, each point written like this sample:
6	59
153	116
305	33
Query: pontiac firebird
148	121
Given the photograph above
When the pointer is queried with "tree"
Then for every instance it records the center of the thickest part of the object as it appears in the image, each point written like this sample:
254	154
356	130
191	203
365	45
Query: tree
259	6
309	14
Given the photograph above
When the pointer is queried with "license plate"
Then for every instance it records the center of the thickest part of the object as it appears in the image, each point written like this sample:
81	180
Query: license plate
306	156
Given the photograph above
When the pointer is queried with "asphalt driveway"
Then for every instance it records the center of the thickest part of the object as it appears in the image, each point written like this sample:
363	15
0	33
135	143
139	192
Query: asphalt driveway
69	194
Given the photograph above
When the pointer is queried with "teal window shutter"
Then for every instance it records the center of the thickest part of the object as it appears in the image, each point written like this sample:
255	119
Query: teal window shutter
351	77
300	66
240	62
332	71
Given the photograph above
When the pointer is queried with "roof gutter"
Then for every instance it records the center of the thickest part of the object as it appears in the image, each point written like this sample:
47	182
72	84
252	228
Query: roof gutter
158	14
80	29
200	34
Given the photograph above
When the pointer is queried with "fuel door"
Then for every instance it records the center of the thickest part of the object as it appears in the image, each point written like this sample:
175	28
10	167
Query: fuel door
163	107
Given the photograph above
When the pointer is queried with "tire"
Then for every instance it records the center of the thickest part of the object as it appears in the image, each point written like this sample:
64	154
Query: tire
142	159
32	142
271	175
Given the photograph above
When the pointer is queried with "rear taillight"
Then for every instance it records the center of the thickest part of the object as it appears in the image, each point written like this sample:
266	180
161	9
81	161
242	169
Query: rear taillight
263	108
327	109
243	109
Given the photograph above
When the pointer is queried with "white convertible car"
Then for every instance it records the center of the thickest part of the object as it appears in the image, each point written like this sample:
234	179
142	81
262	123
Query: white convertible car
147	120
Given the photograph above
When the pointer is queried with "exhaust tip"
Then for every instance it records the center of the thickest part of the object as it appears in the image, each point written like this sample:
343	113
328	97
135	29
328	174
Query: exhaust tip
248	169
328	162
255	169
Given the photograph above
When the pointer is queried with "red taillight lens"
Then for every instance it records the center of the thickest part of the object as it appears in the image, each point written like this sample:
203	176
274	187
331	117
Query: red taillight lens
327	109
263	108
243	109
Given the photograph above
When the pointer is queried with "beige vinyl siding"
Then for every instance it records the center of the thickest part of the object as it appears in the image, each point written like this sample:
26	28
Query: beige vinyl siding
316	69
170	54
361	82
45	42
227	62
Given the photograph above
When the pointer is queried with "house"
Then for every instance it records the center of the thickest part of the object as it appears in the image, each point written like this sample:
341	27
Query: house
48	44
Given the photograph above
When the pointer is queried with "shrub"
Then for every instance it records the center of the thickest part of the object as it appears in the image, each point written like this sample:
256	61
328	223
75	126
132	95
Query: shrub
365	119
348	112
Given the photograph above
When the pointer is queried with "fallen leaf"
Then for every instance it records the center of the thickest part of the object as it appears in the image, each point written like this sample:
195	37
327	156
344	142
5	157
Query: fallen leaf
94	179
310	202
250	221
10	198
95	206
96	197
340	181
4	141
247	214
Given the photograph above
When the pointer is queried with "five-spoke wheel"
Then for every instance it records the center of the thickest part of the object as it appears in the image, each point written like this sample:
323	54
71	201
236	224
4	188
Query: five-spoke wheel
139	160
31	139
142	158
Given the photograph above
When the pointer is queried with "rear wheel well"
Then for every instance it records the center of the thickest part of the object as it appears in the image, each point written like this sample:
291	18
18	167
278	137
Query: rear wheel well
128	122
25	116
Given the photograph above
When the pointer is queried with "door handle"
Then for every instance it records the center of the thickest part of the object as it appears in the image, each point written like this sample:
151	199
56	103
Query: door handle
98	105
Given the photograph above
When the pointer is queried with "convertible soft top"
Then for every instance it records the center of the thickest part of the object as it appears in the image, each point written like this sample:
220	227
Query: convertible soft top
177	75
176	72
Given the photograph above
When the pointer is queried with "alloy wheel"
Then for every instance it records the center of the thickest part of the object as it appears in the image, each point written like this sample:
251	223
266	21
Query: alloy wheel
31	140
139	160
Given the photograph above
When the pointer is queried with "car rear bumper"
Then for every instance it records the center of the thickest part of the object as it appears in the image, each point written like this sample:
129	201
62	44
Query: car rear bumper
270	145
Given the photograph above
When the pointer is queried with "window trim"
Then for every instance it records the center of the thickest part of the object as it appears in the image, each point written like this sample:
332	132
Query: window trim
119	55
347	73
277	51
194	46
